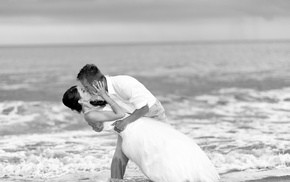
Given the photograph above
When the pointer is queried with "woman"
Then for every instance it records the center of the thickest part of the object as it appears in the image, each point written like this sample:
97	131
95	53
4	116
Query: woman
162	153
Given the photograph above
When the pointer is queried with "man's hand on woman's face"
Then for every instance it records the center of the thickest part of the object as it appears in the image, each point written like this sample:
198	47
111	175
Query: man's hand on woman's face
100	88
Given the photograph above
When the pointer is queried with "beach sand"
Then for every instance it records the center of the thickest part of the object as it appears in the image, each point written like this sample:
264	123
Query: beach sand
261	176
137	176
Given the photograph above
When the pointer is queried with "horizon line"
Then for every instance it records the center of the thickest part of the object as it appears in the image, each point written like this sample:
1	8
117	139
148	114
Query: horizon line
147	43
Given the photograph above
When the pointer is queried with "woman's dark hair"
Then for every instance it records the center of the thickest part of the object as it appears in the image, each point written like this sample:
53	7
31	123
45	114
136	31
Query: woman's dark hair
98	102
70	99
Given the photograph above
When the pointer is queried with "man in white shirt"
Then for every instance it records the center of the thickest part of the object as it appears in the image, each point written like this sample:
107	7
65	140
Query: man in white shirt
132	96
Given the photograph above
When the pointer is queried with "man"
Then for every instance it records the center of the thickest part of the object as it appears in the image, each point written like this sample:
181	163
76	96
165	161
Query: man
132	96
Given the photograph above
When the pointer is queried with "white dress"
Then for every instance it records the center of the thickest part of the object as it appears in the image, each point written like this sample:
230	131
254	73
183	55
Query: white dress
164	154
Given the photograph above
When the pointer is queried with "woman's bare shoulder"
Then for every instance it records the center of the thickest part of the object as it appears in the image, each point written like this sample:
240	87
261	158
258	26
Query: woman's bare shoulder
103	116
92	116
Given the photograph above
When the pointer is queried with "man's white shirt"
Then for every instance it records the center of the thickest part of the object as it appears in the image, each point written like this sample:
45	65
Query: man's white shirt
129	93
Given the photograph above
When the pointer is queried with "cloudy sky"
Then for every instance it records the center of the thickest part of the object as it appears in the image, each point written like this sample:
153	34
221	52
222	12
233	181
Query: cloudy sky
118	21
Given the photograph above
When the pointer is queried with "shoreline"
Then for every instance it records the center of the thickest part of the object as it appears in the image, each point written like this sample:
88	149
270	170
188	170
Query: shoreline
278	175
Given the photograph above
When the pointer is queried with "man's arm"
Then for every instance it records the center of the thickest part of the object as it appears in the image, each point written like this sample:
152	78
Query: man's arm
134	92
120	125
138	113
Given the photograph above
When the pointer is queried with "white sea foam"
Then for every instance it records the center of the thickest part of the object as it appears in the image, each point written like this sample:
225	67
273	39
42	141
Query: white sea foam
10	113
48	155
19	117
16	86
238	129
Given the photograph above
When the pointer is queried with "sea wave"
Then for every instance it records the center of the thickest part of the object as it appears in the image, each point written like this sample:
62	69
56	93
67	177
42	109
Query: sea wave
239	129
20	117
48	155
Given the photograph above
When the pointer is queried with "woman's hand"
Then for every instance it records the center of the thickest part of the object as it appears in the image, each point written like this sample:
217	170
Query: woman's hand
100	89
98	127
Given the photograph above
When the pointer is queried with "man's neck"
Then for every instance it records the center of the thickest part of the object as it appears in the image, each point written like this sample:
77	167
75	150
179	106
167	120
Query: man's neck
106	85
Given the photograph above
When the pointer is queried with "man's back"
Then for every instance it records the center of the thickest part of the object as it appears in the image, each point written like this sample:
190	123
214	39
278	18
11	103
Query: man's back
130	91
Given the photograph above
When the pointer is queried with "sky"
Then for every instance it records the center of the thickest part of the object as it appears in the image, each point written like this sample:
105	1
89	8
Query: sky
24	22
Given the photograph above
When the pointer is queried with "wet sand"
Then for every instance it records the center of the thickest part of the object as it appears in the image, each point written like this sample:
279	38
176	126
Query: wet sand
137	176
277	175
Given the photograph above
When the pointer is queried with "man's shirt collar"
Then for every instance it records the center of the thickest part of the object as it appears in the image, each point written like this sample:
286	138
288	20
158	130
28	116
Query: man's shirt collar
111	89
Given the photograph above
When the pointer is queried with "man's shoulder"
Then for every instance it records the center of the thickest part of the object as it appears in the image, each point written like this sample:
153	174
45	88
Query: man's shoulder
122	78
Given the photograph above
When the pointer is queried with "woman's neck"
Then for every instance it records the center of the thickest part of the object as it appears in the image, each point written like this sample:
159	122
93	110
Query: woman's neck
86	109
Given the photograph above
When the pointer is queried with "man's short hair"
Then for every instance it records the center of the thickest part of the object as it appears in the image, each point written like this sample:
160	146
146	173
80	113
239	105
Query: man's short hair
90	72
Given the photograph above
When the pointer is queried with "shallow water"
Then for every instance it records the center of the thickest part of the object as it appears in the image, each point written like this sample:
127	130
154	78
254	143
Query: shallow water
233	99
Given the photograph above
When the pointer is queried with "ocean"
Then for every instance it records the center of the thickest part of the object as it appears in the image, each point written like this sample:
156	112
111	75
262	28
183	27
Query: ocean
232	98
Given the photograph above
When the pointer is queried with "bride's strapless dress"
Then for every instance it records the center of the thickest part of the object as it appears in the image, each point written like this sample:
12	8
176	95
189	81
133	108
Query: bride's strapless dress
164	154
